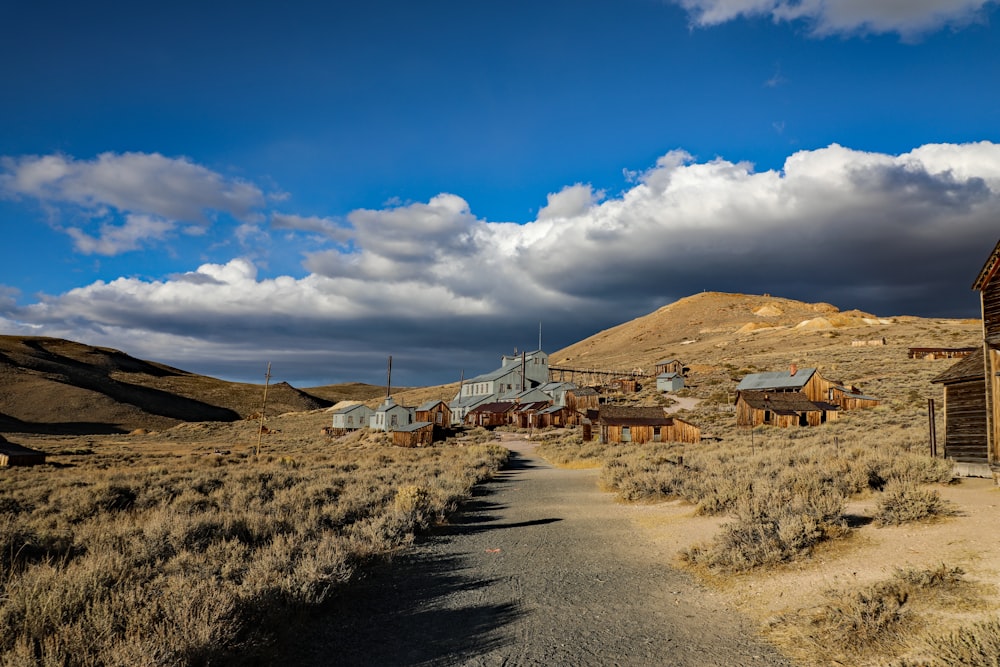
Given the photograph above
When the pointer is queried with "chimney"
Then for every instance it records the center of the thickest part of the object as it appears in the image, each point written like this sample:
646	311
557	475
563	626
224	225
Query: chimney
793	369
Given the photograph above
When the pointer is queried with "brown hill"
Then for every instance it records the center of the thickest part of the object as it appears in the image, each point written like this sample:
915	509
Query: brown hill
49	385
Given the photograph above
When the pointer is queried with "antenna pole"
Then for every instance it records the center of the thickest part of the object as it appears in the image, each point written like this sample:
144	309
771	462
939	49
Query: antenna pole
539	335
263	408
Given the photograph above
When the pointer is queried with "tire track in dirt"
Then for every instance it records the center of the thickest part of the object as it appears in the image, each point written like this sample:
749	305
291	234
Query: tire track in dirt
539	568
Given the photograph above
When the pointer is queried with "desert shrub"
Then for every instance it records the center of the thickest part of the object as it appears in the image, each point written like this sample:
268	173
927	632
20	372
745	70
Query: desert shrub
191	560
905	502
875	620
977	645
772	525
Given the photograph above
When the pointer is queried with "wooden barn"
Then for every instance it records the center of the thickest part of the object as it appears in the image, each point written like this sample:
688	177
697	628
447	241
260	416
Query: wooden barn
417	434
644	424
12	454
783	408
849	398
491	415
557	416
582	399
964	408
988	286
435	412
669	366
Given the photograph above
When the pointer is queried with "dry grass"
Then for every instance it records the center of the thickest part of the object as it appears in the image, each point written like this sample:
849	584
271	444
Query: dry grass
185	560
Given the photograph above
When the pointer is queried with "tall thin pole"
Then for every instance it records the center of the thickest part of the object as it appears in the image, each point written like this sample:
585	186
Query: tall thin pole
539	335
388	380
263	408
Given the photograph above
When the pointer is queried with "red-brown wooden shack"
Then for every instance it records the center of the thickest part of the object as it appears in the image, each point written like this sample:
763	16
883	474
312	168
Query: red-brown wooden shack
491	415
964	408
783	408
12	454
557	416
417	434
435	412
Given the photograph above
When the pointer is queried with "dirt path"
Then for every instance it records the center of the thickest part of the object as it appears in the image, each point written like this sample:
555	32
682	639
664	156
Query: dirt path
540	568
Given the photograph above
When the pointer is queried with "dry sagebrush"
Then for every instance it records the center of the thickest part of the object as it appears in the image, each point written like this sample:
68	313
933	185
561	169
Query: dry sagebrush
184	561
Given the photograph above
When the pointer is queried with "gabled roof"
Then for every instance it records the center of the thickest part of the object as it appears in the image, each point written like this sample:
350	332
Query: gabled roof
351	408
429	405
666	361
969	368
498	408
989	270
776	380
552	409
784	402
495	375
850	393
533	405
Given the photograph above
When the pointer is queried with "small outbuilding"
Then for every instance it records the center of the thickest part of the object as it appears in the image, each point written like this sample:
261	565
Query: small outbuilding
669	366
417	434
12	454
557	416
849	398
965	424
583	399
390	415
670	381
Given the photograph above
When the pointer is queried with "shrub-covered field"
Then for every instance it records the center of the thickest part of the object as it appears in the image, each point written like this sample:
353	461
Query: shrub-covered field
168	560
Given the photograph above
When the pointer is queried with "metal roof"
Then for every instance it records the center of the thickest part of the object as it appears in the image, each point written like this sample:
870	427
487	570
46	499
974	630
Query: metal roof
427	405
787	402
775	380
408	428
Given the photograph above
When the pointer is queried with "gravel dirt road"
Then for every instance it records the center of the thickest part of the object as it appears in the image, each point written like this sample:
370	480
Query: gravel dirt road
540	568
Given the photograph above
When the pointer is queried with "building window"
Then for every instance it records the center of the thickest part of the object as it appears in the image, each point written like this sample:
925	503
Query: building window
393	420
656	434
626	434
350	420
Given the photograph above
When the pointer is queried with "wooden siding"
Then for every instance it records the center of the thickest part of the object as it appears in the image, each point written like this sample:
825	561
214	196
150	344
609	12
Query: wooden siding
673	366
782	410
558	418
940	352
582	402
849	400
421	437
676	431
439	415
965	421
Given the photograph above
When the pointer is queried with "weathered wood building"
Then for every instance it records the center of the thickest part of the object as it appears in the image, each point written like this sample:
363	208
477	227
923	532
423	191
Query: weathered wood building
807	381
643	424
940	352
783	408
435	412
988	286
491	415
849	398
583	399
964	409
12	454
669	366
417	434
557	416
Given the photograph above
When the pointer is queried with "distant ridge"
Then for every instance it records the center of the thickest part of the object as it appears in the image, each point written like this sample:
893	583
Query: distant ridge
56	386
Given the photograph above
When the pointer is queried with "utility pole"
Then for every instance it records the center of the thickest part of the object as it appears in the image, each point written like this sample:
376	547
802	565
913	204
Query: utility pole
388	380
263	408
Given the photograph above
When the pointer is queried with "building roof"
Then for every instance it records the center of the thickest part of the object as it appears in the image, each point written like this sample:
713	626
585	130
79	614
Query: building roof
969	368
784	403
495	407
776	380
409	428
584	391
429	405
666	361
350	408
989	270
14	449
552	409
849	393
533	405
668	376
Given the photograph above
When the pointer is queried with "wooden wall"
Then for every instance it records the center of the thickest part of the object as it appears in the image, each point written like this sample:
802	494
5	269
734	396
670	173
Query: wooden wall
676	431
965	421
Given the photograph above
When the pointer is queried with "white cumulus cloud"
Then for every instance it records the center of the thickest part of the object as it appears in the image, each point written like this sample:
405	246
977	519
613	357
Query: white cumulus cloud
908	18
130	197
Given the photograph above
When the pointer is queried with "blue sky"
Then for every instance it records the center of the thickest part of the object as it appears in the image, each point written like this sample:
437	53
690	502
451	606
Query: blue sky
219	184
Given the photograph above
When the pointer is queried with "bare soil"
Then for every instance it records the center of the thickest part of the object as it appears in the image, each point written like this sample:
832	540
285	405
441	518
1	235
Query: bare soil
541	567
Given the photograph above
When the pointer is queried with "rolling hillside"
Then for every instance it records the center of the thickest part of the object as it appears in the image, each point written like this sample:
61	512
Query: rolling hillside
50	385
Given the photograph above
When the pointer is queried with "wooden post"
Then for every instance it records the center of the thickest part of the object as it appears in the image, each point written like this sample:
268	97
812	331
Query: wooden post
263	408
933	430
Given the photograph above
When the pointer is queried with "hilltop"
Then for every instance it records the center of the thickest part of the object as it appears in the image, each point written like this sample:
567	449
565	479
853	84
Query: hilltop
50	385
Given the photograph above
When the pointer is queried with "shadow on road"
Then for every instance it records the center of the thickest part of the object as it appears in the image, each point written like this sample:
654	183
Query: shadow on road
404	612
